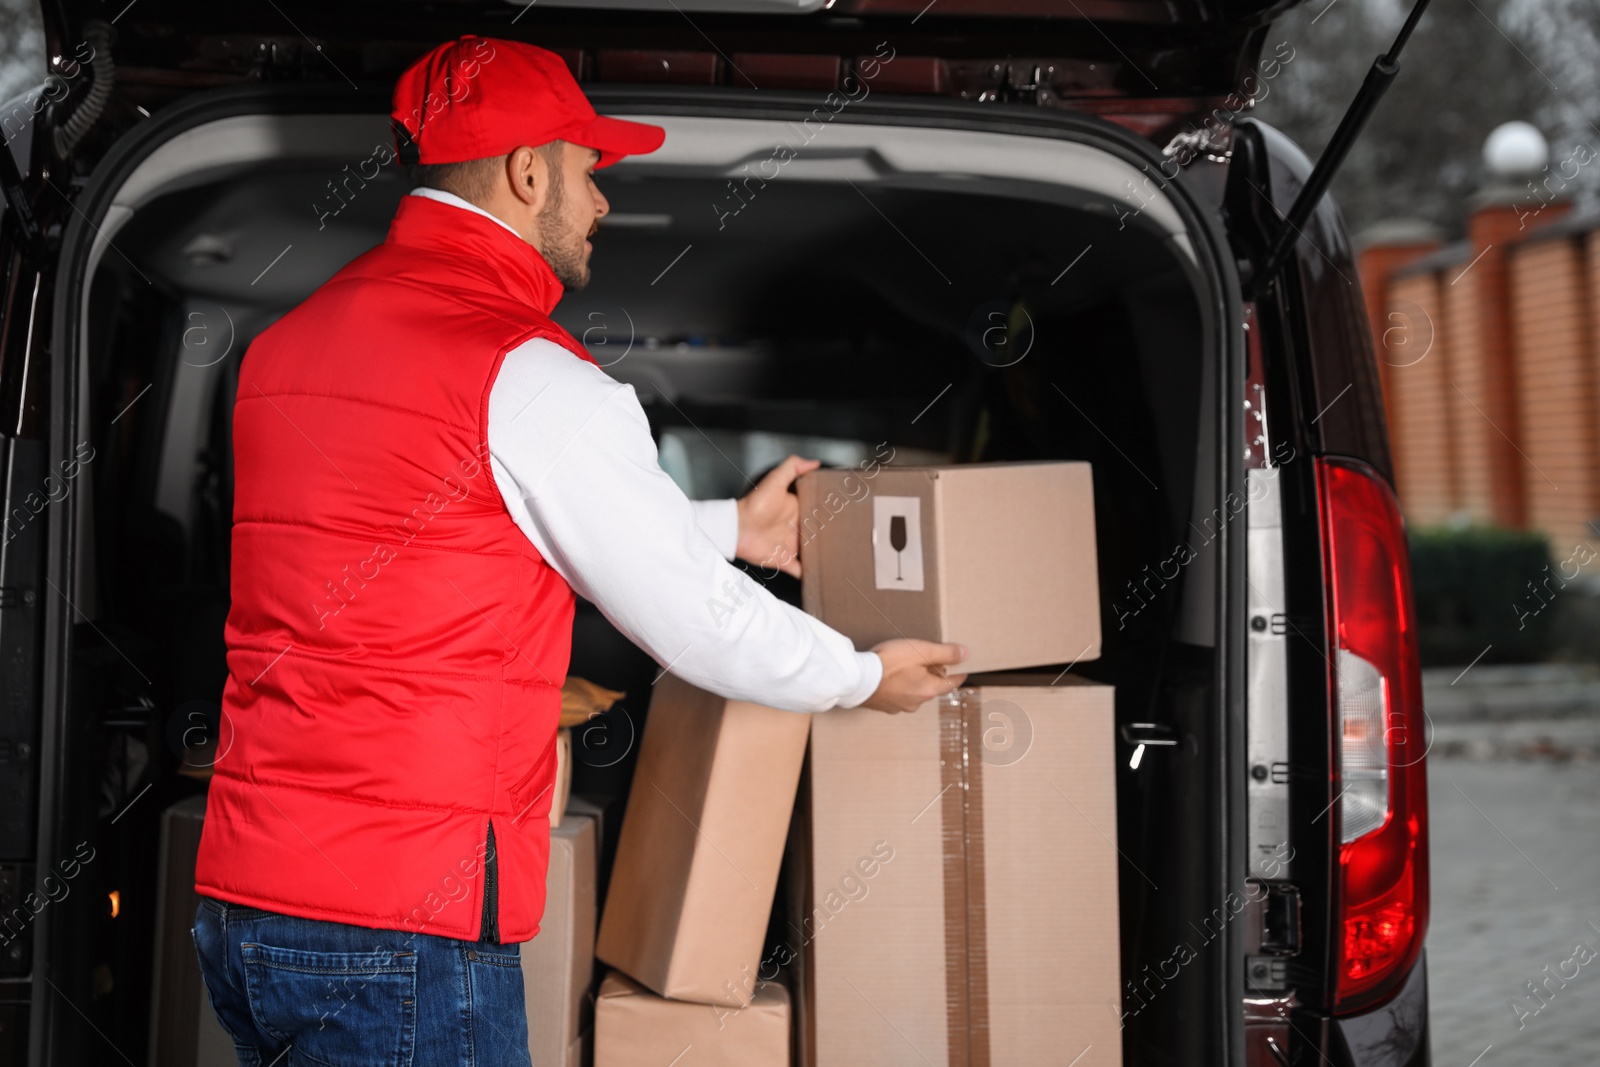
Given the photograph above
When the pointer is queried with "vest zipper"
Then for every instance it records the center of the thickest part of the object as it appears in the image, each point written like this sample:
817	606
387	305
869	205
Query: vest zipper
491	894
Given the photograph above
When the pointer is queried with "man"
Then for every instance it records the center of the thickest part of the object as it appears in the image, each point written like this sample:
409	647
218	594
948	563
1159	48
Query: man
426	468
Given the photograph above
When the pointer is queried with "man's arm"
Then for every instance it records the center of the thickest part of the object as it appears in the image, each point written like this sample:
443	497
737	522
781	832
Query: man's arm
719	520
572	453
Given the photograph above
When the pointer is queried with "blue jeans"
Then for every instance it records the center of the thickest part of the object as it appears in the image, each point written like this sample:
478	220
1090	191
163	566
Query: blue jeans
293	991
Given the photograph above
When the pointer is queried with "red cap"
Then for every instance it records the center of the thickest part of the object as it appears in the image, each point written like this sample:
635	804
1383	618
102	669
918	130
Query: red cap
480	97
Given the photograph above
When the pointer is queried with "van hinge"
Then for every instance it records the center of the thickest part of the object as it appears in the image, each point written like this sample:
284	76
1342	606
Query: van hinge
1028	82
1188	145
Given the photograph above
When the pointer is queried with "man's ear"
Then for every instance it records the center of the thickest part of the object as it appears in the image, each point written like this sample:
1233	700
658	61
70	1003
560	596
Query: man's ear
529	177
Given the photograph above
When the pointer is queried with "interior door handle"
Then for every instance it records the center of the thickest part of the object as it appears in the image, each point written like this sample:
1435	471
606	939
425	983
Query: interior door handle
1148	733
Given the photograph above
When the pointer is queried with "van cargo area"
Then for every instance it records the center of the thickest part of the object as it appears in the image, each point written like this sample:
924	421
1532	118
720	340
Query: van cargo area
949	297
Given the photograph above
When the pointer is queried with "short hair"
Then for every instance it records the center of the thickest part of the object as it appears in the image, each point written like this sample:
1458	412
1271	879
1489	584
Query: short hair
474	179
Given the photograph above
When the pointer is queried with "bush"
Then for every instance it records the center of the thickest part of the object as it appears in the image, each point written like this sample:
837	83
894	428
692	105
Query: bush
1475	589
1575	631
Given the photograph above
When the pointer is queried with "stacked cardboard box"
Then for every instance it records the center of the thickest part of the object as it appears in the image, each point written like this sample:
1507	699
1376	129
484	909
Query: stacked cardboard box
957	892
702	842
635	1026
558	964
953	897
999	557
952	872
695	877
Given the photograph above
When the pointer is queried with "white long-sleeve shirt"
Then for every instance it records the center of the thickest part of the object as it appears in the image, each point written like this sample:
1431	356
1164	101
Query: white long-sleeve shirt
571	452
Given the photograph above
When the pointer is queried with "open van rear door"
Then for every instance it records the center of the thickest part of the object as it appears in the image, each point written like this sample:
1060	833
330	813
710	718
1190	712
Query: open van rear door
1155	67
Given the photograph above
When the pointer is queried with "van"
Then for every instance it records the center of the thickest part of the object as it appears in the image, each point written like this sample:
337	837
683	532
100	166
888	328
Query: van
879	231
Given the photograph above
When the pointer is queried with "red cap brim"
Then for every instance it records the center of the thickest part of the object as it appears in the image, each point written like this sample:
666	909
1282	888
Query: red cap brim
614	138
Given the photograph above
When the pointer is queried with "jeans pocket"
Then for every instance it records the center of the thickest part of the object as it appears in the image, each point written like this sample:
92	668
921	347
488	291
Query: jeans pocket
340	1009
498	1007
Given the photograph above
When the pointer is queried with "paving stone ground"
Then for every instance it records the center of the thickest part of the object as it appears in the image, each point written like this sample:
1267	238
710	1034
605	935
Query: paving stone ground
1515	825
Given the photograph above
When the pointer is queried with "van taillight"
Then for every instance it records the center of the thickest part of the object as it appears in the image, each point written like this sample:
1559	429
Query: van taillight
1381	906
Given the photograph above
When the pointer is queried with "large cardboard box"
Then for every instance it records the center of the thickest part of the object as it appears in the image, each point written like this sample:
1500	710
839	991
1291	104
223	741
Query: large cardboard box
635	1028
999	557
558	964
701	844
958	883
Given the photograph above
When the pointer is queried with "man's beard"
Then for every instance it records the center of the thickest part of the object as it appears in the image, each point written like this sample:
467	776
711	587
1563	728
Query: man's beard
561	248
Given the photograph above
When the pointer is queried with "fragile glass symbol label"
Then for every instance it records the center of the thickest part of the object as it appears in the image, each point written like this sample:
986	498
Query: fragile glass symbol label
897	543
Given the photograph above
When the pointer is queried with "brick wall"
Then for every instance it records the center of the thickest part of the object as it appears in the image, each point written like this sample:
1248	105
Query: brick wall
1551	301
1419	425
1463	395
1499	422
1391	333
1493	473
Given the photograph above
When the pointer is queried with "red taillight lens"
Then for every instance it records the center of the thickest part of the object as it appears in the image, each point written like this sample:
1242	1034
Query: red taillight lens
1380	778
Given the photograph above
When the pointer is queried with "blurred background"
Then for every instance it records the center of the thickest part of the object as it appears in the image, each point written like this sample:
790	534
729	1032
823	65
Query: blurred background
1473	198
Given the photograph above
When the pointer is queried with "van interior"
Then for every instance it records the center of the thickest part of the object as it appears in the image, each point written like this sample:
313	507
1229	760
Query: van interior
953	295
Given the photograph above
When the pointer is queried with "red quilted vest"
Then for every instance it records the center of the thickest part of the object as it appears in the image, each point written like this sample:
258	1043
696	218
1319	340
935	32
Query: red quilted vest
396	646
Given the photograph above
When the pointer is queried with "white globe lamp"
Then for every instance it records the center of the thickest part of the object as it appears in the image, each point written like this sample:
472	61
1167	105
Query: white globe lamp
1515	150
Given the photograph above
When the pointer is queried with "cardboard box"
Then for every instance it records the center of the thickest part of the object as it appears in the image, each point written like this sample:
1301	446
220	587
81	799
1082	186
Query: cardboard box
592	808
184	1031
558	964
562	788
606	811
701	844
958	896
635	1028
999	557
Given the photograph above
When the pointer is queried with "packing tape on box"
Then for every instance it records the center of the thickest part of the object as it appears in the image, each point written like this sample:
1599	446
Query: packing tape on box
961	812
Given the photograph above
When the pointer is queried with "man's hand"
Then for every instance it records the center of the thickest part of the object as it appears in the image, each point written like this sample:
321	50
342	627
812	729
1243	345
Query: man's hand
914	673
769	533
